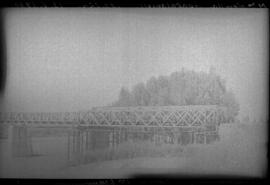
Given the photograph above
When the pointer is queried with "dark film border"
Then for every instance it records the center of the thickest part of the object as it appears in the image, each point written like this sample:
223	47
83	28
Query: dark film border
143	179
138	3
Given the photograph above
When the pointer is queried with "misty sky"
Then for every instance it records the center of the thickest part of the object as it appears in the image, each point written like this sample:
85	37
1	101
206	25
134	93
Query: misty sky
74	59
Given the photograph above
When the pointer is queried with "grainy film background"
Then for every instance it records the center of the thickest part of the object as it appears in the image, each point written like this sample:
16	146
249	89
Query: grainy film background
64	61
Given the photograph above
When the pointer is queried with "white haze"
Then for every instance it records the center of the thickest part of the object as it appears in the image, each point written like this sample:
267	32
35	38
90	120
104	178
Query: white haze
73	59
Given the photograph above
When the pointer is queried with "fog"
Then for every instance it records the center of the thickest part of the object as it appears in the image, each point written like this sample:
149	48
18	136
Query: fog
74	59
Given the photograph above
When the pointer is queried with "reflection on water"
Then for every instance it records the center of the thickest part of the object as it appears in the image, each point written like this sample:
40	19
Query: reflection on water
239	151
92	144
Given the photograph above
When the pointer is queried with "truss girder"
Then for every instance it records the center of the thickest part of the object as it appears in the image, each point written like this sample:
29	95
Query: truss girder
167	116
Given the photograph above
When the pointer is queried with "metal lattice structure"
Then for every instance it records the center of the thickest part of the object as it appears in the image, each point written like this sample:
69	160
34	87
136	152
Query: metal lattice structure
159	116
114	125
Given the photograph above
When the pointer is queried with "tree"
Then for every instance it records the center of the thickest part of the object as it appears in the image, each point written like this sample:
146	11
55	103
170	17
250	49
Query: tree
152	89
140	94
125	98
182	88
177	86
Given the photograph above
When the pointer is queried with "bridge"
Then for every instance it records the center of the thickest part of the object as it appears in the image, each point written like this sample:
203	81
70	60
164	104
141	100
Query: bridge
163	116
111	126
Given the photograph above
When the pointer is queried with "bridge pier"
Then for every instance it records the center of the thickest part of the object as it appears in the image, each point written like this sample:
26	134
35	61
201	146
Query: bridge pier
4	131
79	142
85	141
21	142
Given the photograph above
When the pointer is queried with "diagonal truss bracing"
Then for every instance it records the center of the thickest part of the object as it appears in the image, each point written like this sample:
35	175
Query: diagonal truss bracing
162	116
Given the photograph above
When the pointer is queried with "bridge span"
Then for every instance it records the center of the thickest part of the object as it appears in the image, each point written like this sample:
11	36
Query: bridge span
160	116
110	126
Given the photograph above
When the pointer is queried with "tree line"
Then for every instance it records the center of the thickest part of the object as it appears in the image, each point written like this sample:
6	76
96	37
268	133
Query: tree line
185	87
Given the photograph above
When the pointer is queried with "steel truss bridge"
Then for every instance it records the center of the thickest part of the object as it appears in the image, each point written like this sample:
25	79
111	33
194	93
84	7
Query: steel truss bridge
162	116
110	126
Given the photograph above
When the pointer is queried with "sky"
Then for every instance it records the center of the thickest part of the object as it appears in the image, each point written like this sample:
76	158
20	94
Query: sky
74	59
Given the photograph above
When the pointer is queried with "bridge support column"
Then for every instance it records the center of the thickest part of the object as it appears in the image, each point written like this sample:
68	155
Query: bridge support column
10	139
21	142
4	131
84	142
75	146
192	137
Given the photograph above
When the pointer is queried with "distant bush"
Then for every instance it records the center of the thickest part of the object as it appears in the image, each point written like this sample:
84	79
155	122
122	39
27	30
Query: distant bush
181	88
